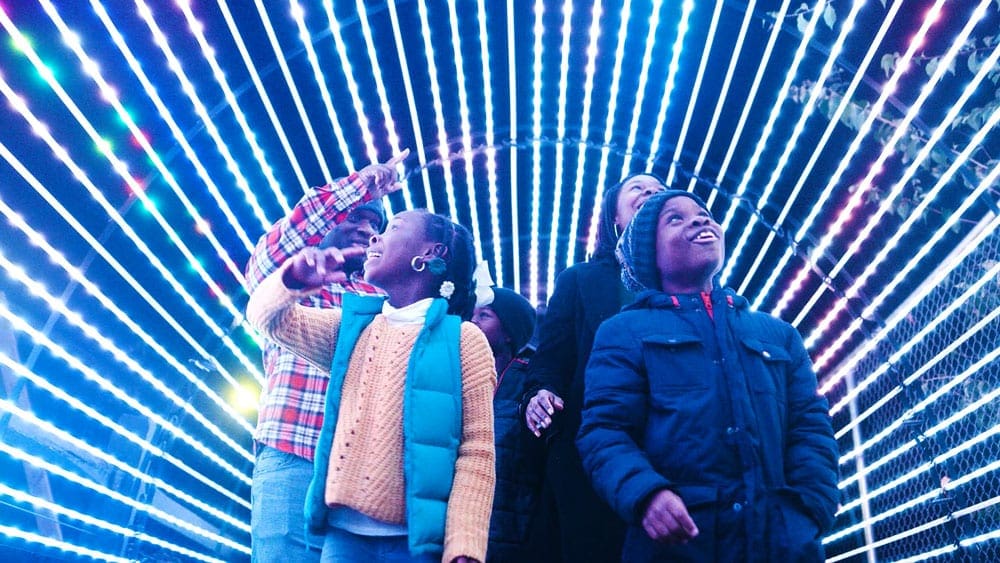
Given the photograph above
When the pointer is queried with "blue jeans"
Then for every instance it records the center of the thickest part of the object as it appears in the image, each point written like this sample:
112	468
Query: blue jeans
342	546
278	499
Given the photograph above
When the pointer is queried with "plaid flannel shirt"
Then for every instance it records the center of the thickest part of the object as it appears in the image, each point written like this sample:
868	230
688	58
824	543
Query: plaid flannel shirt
290	413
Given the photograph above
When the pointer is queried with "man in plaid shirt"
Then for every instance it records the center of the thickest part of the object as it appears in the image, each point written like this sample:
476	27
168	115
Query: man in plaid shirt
346	212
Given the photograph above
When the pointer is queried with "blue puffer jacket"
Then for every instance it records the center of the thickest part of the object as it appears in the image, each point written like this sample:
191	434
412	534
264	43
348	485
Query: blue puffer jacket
724	413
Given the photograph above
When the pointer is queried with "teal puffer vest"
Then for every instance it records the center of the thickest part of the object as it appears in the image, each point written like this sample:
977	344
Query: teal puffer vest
432	419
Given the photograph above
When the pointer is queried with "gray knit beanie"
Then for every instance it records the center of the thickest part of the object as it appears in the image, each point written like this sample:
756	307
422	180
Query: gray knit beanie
636	250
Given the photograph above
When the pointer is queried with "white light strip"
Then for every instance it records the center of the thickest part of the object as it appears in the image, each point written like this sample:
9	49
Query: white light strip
297	100
900	315
175	66
870	311
751	97
515	239
463	110
912	378
46	427
383	98
175	130
875	46
96	487
34	503
887	203
790	145
567	32
875	112
640	97
63	155
279	128
198	29
75	319
57	350
64	547
92	69
726	82
536	168
668	90
43	384
298	14
706	51
491	152
443	150
581	158
79	277
609	121
418	136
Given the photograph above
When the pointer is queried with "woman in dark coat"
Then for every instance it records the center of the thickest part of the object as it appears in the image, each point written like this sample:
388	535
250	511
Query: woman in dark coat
585	294
701	424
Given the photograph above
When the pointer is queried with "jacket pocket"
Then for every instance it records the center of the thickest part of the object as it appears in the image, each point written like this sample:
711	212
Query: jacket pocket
675	363
774	362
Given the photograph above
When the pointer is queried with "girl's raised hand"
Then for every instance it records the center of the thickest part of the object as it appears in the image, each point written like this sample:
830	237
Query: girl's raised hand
384	176
315	267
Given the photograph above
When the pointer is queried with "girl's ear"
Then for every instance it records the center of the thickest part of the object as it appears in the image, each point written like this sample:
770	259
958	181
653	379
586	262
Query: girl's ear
437	250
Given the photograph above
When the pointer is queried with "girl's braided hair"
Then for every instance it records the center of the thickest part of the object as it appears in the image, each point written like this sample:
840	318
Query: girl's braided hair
460	261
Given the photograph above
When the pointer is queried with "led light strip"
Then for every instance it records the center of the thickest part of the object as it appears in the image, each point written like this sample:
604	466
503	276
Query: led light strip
297	100
899	316
876	110
695	89
910	413
33	503
491	160
298	15
515	240
765	59
197	28
567	32
96	487
886	204
91	69
175	66
588	90
443	150
609	120
79	277
279	129
792	143
418	136
726	82
48	428
175	129
463	110
63	155
66	547
536	172
43	383
675	64
823	359
57	350
75	319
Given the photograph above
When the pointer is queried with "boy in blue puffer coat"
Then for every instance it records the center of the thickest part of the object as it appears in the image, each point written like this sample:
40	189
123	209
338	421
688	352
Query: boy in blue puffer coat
701	424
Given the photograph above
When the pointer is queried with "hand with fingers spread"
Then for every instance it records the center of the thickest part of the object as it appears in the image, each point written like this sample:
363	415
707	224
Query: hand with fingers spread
315	267
667	520
540	410
384	176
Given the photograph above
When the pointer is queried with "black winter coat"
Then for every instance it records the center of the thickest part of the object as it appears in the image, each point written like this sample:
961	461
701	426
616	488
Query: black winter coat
520	459
724	413
584	296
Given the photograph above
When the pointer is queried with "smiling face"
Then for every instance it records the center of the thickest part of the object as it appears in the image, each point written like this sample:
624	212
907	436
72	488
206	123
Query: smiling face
390	254
689	246
356	230
634	192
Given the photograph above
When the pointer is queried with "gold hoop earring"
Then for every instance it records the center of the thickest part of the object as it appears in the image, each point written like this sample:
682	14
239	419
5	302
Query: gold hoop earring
415	262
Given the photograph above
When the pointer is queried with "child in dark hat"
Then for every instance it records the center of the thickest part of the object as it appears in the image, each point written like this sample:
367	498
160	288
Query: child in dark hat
701	423
508	321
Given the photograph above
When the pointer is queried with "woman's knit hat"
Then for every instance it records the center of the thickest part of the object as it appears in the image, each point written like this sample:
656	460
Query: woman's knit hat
517	316
636	250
